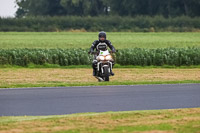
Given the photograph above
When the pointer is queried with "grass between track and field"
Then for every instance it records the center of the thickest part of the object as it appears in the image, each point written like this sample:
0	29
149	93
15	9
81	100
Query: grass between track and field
16	77
155	121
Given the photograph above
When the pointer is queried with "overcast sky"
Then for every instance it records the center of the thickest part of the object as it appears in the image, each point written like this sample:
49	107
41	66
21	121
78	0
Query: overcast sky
7	8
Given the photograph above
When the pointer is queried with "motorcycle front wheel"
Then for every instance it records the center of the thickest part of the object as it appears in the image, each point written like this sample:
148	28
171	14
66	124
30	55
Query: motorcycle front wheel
106	77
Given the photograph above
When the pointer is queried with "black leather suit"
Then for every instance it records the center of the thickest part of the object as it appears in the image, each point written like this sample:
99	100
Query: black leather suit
97	45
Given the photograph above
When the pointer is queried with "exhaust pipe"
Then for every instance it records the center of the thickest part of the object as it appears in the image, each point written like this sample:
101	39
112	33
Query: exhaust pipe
99	78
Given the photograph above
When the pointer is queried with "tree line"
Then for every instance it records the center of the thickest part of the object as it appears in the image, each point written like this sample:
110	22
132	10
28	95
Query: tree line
166	8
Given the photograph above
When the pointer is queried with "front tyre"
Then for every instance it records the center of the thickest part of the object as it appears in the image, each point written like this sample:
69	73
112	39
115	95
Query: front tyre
106	74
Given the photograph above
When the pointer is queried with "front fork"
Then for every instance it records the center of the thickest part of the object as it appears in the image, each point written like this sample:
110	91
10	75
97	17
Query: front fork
101	64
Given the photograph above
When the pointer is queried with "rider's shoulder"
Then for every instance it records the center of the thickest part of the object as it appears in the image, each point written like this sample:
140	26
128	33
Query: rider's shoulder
108	41
96	41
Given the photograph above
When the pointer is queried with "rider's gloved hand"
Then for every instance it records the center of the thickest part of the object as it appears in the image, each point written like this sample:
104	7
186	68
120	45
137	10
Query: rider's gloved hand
113	51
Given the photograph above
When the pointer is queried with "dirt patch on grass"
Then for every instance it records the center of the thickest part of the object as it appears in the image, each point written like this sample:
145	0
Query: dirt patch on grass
155	131
157	74
55	75
36	126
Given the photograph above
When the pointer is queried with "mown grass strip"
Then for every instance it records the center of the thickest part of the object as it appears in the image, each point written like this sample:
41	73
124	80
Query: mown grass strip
52	77
63	84
172	120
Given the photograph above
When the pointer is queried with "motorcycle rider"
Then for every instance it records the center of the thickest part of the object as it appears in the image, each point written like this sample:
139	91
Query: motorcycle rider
100	43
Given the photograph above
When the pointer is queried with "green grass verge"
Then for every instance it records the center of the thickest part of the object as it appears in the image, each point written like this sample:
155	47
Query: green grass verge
64	84
173	120
121	40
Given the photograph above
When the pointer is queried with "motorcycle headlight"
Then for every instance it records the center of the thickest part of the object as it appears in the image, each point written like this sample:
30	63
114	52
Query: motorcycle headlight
108	57
100	58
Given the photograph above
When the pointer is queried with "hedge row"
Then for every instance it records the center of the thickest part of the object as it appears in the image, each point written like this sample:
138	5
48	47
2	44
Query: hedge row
136	56
159	57
63	57
106	23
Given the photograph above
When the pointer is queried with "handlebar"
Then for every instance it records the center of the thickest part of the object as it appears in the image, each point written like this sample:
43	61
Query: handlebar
98	52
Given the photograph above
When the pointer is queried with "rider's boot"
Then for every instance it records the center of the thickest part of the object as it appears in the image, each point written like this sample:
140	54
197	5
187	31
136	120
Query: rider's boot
94	65
94	72
111	70
112	73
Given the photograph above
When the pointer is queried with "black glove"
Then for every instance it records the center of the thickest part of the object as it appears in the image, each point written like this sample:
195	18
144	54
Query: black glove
113	51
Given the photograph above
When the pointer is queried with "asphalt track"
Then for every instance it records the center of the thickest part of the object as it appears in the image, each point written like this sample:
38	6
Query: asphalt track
67	100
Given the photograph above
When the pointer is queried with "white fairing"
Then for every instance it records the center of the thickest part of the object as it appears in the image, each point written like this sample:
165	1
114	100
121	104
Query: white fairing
104	56
104	53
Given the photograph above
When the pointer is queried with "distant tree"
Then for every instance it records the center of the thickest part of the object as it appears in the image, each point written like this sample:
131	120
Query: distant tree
75	7
191	7
85	7
98	7
61	7
166	8
39	7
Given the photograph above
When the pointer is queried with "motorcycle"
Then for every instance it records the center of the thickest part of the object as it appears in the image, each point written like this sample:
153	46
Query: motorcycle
104	65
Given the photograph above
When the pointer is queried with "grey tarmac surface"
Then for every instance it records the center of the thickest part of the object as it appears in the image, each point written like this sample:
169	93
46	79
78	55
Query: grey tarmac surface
68	100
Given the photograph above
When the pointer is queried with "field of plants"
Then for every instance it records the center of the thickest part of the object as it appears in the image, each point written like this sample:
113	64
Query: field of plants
136	56
70	48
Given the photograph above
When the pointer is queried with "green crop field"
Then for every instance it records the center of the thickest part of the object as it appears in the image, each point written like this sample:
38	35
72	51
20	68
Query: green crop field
120	40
